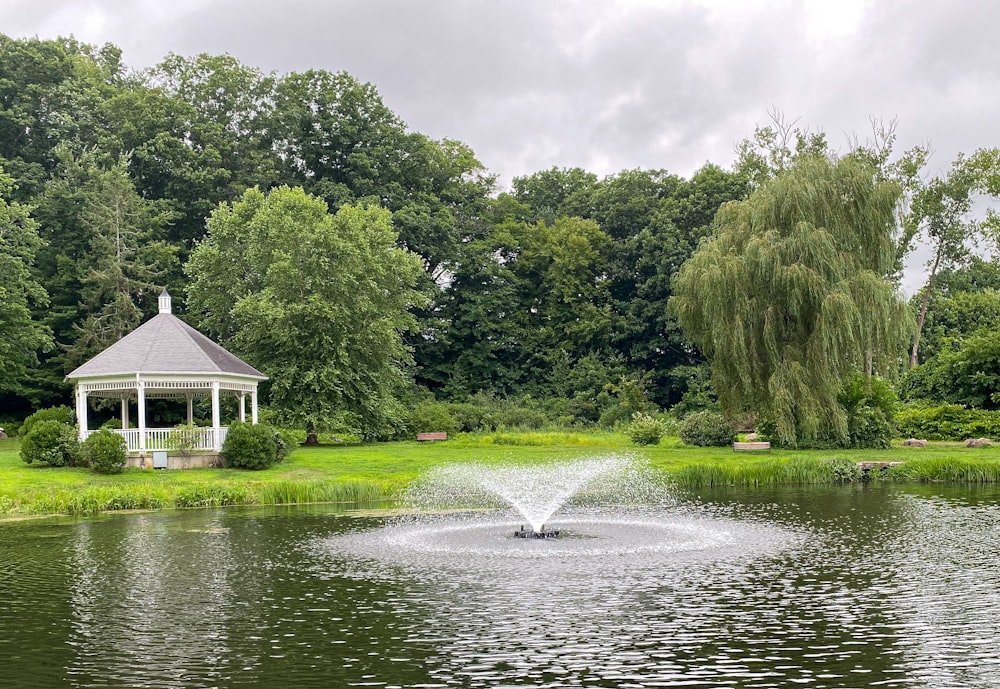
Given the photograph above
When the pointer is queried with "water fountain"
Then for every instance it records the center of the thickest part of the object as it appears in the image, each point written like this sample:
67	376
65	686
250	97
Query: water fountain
535	492
593	508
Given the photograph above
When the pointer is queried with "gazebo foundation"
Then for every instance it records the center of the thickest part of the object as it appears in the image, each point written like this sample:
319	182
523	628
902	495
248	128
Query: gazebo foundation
176	460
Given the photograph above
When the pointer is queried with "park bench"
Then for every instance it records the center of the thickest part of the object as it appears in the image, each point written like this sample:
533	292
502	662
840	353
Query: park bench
751	447
436	435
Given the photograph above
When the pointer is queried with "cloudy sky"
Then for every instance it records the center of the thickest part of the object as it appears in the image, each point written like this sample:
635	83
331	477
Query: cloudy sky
603	84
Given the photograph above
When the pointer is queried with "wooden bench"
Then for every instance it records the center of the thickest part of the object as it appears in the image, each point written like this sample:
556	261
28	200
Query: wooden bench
436	435
751	447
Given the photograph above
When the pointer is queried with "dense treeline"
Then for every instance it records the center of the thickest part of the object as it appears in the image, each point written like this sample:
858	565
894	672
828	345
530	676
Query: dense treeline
557	289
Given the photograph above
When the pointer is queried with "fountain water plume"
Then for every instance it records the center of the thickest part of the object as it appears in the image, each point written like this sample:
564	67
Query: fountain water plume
535	492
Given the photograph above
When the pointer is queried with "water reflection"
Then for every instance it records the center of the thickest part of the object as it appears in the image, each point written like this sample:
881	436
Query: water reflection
854	587
151	606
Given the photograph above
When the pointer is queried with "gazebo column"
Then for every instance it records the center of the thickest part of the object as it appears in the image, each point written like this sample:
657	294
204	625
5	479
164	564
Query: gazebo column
216	420
140	389
243	407
81	410
124	412
253	405
190	401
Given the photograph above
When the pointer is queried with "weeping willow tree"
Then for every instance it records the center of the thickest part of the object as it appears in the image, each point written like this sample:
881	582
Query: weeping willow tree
792	294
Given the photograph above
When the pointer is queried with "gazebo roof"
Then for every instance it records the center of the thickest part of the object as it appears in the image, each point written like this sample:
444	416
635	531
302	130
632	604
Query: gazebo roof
165	344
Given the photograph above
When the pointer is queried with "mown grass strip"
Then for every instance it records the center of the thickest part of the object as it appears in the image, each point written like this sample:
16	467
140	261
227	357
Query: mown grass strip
369	474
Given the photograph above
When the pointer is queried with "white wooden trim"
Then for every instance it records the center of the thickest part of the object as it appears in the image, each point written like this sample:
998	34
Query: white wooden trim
150	439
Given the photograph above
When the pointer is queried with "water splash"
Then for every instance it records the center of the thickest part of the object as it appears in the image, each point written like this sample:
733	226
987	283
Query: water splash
537	492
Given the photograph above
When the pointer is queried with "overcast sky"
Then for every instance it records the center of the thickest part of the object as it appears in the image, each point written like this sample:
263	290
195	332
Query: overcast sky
604	84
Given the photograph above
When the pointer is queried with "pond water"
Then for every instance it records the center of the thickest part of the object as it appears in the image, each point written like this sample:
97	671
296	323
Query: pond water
855	586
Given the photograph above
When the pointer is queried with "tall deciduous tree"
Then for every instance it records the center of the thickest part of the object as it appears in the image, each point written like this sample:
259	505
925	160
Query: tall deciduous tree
942	211
318	302
20	336
790	294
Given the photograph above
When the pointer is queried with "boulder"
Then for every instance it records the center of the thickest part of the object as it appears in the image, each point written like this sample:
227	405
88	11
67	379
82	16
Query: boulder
978	442
914	442
3	436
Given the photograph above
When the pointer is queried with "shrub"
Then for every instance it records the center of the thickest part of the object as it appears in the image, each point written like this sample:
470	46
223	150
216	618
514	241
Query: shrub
105	452
286	441
250	446
62	414
11	427
517	416
52	442
870	406
707	429
431	416
869	429
646	429
471	418
184	439
947	422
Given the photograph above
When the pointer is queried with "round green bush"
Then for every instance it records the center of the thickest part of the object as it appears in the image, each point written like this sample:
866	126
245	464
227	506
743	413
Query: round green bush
707	429
62	414
52	442
105	452
645	429
250	446
869	429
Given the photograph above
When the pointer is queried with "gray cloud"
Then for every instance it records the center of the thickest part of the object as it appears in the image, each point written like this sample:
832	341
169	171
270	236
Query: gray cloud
605	86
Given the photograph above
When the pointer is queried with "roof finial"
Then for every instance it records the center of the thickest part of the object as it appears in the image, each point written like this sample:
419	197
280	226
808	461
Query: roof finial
164	301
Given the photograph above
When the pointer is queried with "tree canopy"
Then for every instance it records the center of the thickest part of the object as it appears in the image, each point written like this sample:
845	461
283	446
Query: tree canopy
790	296
554	292
318	302
21	337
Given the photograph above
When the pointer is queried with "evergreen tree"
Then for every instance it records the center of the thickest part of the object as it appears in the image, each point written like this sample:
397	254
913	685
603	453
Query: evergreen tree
21	337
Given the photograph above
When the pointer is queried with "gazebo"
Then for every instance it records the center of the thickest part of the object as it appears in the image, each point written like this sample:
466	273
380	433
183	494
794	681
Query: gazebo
165	358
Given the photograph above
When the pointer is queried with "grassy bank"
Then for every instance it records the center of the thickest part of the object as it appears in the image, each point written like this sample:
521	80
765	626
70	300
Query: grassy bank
374	473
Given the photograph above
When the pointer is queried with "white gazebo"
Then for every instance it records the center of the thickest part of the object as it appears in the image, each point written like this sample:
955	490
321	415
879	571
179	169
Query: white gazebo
166	358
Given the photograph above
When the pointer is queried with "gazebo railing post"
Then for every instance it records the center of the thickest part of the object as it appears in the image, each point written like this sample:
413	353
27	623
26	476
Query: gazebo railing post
140	389
81	410
216	417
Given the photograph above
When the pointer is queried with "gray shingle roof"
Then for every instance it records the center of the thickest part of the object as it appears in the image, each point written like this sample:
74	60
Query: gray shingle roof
164	344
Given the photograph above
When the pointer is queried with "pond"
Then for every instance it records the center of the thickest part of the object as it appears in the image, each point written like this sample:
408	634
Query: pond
853	586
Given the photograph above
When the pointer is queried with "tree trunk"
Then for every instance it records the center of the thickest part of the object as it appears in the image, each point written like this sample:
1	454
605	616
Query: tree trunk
869	370
312	438
928	289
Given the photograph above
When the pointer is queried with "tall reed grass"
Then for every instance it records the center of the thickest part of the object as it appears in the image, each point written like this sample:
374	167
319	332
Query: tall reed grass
130	496
777	471
950	469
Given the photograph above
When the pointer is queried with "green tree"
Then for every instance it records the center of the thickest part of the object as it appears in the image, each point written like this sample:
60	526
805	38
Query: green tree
942	211
790	295
21	337
965	371
51	91
318	302
557	192
125	260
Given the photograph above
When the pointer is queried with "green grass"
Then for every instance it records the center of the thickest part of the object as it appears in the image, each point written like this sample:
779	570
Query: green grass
366	474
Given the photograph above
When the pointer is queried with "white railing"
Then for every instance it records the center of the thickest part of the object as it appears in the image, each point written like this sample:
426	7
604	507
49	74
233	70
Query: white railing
172	439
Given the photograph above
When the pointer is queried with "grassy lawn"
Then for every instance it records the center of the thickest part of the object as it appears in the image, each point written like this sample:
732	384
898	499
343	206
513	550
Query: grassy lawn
376	472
